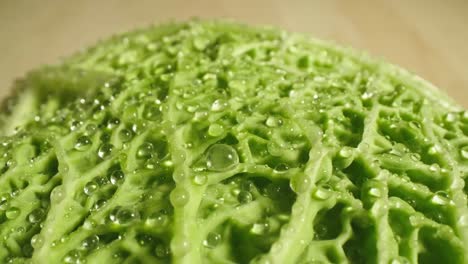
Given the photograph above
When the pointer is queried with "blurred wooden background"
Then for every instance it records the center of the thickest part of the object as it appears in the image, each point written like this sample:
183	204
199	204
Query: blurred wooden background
428	37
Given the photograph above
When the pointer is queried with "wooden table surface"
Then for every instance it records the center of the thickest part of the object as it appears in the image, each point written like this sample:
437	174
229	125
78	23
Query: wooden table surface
428	37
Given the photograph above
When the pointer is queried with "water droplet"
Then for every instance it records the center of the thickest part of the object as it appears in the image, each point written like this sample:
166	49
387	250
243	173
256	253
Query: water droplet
212	240
180	246
112	123
158	219
323	192
260	228
152	112
57	194
416	220
125	135
105	150
299	183
435	168
99	204
101	180
83	143
464	152
346	152
162	251
90	188
281	167
434	150
375	192
441	198
37	241
73	257
124	216
221	157
415	157
91	129
215	130
116	177
367	95
145	151
450	117
218	105
414	124
36	216
144	239
199	179
244	197
12	212
179	197
75	125
90	242
89	224
273	121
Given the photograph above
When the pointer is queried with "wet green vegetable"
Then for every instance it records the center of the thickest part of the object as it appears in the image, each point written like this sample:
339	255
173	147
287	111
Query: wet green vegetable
212	142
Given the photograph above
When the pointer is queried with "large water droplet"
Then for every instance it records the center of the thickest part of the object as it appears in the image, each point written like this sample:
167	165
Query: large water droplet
116	177
145	151
57	194
244	197
441	198
179	197
218	105
37	241
299	183
221	157
199	179
105	150
212	240
112	123
124	216
4	201
275	149
83	143
125	135
12	212
99	204
90	242
36	216
273	121
90	188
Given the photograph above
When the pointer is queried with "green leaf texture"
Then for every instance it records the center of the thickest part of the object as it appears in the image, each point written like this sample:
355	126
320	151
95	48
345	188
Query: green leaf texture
213	142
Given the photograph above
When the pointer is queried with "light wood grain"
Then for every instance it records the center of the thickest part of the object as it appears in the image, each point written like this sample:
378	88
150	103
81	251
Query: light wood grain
428	37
